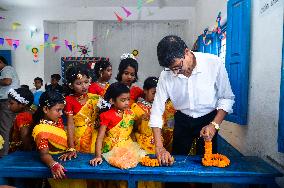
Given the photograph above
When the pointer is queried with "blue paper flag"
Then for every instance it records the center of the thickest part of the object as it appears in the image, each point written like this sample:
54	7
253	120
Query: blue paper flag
46	37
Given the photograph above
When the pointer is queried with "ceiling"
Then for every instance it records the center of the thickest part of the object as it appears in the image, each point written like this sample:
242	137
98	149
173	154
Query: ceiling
13	4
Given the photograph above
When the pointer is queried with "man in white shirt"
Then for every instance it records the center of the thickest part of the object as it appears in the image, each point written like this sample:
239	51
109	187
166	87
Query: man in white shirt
198	85
8	79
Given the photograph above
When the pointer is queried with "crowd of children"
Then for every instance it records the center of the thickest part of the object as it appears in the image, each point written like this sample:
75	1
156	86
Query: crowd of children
99	117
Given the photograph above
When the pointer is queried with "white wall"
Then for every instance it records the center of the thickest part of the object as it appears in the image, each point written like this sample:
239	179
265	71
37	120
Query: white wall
259	137
22	59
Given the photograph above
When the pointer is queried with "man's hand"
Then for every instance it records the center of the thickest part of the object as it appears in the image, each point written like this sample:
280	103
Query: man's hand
208	132
164	157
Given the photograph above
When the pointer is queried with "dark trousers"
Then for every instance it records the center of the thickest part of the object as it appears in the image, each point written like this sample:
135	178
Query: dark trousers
6	123
187	129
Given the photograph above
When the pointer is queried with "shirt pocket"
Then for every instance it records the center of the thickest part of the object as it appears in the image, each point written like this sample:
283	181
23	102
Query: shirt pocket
206	93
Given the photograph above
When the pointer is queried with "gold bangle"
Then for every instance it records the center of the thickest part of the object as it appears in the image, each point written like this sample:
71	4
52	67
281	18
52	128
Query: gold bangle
71	149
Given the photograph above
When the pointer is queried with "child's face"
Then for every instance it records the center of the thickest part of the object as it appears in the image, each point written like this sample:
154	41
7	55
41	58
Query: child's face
150	94
81	86
38	84
54	81
107	73
53	113
128	76
15	106
122	101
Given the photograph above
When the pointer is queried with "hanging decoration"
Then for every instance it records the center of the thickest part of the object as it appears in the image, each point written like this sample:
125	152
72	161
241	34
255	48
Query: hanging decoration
119	18
35	51
135	53
28	47
56	48
16	43
9	41
46	36
1	41
2	18
204	37
128	13
149	1
139	4
15	25
54	39
70	47
84	50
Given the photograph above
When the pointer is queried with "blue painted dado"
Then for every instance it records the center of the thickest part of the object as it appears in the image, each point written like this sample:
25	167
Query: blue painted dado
7	55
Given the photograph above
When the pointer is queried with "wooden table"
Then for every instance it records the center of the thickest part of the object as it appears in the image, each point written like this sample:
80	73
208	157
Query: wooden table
243	170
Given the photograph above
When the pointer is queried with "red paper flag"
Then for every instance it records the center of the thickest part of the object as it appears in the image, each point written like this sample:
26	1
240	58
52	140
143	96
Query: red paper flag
9	41
119	18
54	38
56	48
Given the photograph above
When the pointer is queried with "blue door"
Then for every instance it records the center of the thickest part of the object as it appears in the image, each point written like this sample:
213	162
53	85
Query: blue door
211	44
7	55
238	56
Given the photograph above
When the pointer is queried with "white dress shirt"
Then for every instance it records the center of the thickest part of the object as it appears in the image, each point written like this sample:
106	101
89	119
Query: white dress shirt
208	88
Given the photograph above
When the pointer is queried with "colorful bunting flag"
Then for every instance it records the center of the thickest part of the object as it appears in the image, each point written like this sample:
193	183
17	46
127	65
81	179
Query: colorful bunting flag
56	48
128	13
46	36
2	18
119	18
28	46
66	43
15	25
139	4
54	38
16	43
149	1
70	47
9	41
1	41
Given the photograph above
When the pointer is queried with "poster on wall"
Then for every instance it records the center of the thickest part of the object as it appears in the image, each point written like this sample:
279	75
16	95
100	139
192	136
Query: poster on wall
84	62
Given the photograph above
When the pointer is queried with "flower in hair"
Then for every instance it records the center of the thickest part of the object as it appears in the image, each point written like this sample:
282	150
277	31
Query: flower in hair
126	56
103	104
79	76
17	96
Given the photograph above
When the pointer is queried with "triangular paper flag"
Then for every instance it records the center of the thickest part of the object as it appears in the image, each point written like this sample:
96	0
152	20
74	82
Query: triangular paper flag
139	4
66	42
9	41
15	25
128	13
52	45
28	46
2	18
70	47
16	43
46	35
119	19
1	41
56	48
149	1
41	47
54	38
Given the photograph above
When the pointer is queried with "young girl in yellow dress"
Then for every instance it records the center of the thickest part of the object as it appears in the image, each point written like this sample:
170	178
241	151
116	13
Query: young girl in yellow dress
103	73
143	134
81	111
51	138
116	124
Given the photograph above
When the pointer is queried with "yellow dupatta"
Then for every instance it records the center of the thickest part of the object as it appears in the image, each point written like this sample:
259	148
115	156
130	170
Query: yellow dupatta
144	135
119	135
56	136
86	125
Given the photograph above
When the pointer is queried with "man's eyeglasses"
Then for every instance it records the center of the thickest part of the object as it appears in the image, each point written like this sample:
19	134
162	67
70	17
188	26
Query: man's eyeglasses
177	69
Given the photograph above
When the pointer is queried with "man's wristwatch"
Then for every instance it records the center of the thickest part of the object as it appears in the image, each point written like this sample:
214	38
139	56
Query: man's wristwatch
216	125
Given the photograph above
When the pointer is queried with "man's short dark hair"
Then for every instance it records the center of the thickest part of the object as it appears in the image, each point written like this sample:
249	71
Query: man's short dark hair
40	79
56	77
169	48
2	58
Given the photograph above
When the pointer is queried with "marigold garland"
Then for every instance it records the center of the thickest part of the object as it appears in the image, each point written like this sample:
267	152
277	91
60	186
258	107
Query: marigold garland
147	161
210	159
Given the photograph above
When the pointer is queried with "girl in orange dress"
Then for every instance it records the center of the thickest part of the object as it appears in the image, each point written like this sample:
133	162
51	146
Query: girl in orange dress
20	101
103	73
127	74
51	138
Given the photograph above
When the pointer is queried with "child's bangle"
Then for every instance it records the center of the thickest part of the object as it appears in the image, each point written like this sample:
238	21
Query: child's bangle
71	150
55	166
